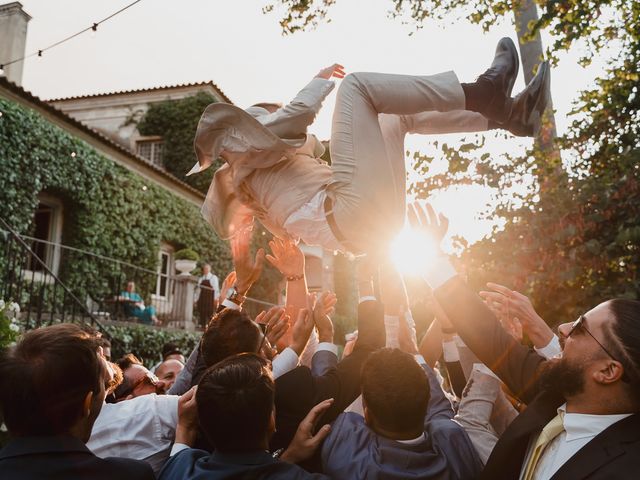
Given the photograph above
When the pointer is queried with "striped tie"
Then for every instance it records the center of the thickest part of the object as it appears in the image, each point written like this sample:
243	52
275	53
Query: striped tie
549	432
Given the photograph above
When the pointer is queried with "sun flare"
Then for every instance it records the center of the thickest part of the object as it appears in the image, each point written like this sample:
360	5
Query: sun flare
412	252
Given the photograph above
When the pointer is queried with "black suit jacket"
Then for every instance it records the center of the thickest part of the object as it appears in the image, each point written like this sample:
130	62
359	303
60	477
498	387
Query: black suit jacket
614	453
298	391
64	458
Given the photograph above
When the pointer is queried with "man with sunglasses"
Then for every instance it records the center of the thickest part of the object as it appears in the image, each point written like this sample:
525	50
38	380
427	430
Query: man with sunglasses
142	423
581	420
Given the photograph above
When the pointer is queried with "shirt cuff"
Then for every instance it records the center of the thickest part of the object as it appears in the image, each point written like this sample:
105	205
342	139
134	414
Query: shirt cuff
367	298
177	448
420	359
439	272
327	346
450	351
229	304
551	349
284	362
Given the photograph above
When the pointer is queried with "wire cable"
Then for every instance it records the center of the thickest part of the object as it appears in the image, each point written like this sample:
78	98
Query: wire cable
93	27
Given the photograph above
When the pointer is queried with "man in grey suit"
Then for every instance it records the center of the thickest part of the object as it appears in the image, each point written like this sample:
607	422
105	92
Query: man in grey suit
272	169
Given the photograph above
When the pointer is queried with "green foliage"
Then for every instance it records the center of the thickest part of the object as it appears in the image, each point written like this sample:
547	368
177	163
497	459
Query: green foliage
108	210
176	122
186	254
147	342
9	326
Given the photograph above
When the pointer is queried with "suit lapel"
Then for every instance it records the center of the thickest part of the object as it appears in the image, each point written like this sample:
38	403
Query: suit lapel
509	454
604	448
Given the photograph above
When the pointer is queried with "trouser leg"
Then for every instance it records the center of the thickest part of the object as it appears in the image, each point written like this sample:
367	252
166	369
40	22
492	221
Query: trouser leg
368	187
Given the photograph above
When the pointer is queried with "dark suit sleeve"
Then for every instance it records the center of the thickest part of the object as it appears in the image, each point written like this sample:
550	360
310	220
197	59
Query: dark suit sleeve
298	391
322	361
515	364
342	383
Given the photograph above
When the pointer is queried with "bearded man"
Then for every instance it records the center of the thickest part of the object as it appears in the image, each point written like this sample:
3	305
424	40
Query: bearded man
582	416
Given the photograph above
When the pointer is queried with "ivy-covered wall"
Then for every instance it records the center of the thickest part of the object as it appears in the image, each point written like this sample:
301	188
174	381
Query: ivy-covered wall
107	209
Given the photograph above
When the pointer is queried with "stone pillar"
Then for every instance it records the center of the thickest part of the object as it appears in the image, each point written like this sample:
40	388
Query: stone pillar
13	38
182	305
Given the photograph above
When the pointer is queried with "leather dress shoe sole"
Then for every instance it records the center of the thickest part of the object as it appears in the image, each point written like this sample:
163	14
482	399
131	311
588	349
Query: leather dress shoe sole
529	105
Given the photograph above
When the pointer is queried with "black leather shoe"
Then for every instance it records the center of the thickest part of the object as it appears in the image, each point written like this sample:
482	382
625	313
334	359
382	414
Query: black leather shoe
502	74
529	105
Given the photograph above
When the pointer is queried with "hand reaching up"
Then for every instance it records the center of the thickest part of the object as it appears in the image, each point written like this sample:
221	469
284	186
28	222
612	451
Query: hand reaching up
228	282
276	323
287	257
305	443
516	311
322	316
247	269
336	70
301	331
424	219
187	428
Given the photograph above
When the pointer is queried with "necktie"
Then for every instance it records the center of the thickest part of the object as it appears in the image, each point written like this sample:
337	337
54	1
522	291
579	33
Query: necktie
549	432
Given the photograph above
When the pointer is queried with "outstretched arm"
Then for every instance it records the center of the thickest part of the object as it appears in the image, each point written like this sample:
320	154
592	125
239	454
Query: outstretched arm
292	120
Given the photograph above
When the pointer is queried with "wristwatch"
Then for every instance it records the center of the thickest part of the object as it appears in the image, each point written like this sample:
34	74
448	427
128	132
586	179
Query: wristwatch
235	296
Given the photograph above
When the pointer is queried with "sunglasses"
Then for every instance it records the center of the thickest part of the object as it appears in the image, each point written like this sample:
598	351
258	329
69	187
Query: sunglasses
579	326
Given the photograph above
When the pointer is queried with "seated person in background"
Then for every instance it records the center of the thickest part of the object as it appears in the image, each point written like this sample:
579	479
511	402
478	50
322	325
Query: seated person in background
134	306
407	430
168	371
235	409
52	388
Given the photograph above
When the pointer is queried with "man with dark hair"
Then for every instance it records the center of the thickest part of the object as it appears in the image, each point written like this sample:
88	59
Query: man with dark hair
52	387
407	430
582	408
235	409
138	380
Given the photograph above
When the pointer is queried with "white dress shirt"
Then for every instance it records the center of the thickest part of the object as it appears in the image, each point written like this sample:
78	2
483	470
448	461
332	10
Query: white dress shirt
579	429
215	284
142	428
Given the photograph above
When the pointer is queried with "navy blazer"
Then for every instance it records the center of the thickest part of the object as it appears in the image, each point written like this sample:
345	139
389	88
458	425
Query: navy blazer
65	458
192	464
354	451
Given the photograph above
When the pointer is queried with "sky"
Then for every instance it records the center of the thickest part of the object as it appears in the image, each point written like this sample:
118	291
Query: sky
242	50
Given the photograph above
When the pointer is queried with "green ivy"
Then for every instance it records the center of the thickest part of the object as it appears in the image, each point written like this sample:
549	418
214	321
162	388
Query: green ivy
176	122
146	342
108	210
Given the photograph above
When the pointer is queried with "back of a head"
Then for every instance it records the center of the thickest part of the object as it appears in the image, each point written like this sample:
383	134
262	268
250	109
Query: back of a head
235	401
626	329
230	332
45	378
395	390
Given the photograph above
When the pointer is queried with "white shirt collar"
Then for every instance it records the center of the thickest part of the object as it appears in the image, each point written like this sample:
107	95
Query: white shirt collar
413	441
582	425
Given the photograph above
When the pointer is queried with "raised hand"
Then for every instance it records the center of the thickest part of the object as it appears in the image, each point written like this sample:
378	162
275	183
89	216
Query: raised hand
424	219
517	312
247	269
301	331
336	70
276	321
322	316
287	257
305	443
228	282
187	427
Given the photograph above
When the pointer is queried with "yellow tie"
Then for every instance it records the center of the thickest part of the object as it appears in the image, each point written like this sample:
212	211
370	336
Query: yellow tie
549	432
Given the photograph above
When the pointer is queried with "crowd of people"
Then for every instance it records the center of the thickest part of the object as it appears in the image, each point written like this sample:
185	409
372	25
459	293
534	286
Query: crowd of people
490	391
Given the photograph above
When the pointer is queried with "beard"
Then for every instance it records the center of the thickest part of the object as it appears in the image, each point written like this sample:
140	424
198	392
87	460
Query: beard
560	375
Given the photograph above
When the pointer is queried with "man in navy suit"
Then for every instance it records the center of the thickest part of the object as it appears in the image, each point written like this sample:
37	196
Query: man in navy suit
52	387
235	405
407	430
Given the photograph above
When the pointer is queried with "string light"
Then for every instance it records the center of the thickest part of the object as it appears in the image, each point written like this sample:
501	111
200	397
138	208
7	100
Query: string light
93	28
